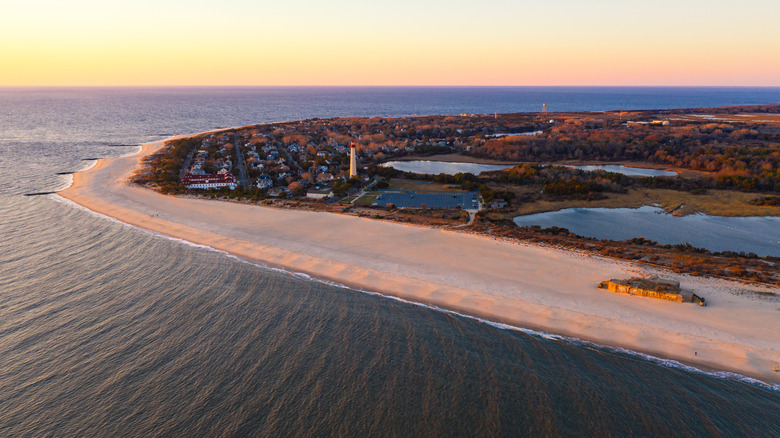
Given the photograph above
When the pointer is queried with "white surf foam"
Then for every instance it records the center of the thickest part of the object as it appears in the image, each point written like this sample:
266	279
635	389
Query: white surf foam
69	177
605	349
136	150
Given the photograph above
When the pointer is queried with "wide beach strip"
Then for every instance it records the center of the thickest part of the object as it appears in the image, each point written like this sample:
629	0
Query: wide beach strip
522	285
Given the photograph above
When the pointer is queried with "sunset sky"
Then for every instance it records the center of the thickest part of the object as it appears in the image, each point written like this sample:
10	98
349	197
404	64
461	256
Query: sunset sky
405	42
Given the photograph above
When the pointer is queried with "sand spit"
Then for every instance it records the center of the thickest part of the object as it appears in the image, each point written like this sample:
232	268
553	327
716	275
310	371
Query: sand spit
517	284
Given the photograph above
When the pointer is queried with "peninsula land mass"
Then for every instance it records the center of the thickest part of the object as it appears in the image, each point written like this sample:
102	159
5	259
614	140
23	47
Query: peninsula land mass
286	195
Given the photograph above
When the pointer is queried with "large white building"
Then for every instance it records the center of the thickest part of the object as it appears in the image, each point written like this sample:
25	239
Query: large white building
319	193
208	181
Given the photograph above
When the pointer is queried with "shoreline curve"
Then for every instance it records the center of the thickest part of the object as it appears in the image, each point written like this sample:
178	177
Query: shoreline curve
513	283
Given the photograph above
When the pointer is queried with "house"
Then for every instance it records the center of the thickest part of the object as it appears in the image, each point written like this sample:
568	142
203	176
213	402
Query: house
208	181
264	182
319	193
324	177
498	203
278	191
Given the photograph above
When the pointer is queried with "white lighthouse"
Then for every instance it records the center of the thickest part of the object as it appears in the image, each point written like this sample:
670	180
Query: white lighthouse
352	160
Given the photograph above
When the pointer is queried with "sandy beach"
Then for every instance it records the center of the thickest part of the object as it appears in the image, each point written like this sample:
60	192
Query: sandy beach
519	284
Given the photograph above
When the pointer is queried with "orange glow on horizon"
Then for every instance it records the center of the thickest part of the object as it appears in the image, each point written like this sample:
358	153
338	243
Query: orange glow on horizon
497	43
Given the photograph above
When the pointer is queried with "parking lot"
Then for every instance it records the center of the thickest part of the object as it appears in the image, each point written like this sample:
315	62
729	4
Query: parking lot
410	199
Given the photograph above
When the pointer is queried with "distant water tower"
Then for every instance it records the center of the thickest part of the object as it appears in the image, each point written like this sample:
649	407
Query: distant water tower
352	160
544	110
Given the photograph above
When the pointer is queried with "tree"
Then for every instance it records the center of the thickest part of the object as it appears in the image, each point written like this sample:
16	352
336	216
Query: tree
296	188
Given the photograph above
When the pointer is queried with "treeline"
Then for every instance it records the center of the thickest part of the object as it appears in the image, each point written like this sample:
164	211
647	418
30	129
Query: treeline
604	181
569	182
740	156
740	109
767	201
421	127
161	169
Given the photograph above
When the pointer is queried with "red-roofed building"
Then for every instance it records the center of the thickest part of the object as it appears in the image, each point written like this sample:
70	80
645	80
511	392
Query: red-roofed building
207	181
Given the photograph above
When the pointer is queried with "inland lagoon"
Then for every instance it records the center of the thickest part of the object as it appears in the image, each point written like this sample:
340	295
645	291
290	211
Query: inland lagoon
759	235
438	167
625	170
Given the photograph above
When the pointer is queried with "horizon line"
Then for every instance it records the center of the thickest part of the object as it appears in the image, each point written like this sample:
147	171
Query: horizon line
376	86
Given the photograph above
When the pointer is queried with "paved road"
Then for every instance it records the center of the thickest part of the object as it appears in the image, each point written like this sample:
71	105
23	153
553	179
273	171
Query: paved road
242	177
289	158
186	166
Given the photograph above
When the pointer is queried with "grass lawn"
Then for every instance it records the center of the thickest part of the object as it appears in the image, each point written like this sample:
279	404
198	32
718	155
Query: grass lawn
367	199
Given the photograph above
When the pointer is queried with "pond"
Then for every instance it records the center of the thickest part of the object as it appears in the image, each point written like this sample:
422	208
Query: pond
625	170
760	235
437	167
513	134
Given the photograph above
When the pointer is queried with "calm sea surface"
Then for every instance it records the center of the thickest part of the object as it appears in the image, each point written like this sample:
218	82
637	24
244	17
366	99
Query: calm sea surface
107	330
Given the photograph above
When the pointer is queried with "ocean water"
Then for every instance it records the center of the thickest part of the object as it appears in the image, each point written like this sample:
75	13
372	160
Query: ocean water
108	330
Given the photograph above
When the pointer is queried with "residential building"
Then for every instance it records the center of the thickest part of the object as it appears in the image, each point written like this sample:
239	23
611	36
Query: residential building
264	182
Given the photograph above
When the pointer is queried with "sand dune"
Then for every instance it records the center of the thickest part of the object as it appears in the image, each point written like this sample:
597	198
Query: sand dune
519	284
